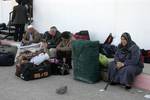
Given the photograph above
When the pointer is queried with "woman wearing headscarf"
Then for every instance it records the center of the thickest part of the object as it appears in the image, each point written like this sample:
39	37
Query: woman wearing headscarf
127	62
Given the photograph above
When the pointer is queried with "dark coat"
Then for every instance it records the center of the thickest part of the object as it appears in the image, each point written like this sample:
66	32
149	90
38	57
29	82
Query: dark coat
53	41
19	14
131	57
35	35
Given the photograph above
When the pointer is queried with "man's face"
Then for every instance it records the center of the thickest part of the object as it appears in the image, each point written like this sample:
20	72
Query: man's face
53	32
30	30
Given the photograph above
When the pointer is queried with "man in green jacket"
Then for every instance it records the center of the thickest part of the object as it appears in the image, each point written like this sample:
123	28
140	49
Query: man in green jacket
53	37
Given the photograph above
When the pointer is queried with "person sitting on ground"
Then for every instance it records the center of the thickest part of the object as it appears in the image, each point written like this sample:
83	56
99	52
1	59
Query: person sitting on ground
53	37
63	49
127	63
31	36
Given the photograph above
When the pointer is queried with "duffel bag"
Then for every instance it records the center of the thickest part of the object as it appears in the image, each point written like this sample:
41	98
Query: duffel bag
29	71
7	59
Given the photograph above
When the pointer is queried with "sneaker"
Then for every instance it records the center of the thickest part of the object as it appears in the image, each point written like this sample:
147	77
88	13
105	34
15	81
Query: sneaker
128	87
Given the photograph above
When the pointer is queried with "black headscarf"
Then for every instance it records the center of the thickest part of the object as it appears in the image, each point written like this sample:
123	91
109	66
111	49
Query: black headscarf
130	43
66	35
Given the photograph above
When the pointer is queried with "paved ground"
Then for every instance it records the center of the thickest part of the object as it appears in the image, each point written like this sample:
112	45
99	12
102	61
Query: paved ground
13	88
146	68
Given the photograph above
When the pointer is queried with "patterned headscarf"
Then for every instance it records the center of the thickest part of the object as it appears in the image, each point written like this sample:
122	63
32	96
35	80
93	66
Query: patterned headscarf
130	43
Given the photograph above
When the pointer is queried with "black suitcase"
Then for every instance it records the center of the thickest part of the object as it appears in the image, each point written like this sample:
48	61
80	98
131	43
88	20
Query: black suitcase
29	71
8	48
7	55
6	59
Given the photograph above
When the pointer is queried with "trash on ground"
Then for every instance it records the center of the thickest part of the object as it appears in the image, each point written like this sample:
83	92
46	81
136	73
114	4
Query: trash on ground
147	96
62	90
101	90
140	91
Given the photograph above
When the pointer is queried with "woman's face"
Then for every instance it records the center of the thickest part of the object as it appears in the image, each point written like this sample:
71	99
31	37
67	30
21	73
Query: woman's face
123	41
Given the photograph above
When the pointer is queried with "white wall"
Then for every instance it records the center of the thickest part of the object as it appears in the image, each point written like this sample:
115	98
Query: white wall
97	16
0	11
100	17
133	16
5	8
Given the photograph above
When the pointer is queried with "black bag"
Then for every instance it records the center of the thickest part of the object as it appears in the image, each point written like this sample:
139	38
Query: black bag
82	35
6	59
146	55
7	55
108	50
29	71
2	26
8	48
58	67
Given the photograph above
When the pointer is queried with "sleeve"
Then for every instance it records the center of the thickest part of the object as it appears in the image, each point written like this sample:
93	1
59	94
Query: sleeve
134	57
24	39
37	38
116	57
26	14
58	38
45	35
13	14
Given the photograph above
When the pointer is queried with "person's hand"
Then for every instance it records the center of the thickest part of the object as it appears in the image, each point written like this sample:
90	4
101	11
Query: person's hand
120	65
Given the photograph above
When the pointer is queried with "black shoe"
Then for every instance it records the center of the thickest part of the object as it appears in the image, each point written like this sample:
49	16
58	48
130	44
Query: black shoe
128	87
113	83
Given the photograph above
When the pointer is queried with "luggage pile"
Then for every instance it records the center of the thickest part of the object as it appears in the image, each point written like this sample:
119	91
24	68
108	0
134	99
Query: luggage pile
85	56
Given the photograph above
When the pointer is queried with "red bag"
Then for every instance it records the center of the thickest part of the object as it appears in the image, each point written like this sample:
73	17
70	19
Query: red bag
82	35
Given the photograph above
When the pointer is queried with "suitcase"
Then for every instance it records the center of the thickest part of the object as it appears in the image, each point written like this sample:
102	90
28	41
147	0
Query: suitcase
146	55
7	55
82	35
8	48
6	59
29	71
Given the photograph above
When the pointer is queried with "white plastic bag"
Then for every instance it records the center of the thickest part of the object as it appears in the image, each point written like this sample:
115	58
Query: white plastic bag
39	58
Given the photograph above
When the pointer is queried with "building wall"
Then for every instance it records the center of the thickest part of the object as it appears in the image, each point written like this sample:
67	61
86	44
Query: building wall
100	17
97	16
133	16
5	8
